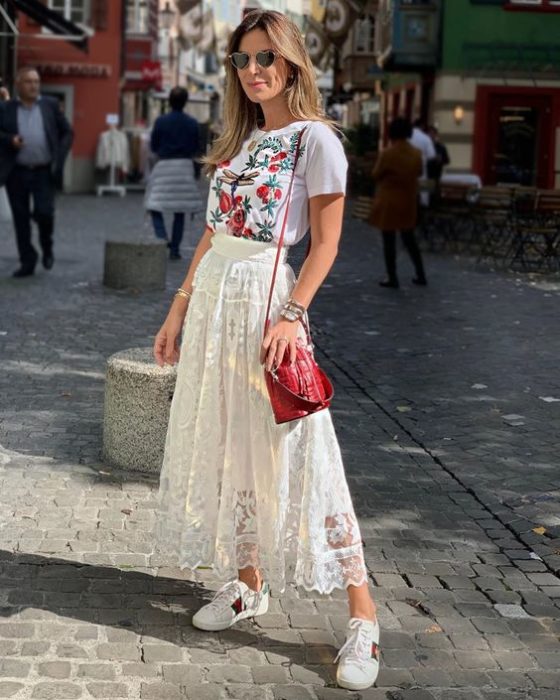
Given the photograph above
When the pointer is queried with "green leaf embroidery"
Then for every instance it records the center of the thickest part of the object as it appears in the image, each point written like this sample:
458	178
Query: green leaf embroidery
247	206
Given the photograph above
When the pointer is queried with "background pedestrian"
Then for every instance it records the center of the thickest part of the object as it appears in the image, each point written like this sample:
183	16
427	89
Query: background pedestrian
35	138
395	203
420	140
5	213
4	92
238	492
172	186
437	164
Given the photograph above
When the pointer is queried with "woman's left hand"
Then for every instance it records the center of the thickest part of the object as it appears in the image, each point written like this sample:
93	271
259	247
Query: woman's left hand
280	338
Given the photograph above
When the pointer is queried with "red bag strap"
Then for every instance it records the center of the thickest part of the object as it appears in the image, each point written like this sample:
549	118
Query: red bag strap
283	230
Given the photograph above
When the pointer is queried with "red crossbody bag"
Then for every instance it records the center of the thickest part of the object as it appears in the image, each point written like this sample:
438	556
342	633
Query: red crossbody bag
303	388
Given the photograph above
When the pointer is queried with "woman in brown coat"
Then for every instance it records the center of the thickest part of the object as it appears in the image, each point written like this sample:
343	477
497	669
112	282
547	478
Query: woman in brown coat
395	203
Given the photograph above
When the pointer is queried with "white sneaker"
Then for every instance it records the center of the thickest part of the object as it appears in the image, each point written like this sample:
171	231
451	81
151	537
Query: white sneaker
233	602
359	655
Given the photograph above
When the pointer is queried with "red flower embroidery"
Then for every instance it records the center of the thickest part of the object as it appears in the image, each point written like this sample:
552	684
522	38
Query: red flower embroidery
263	192
273	168
238	199
247	233
279	156
236	224
277	193
226	202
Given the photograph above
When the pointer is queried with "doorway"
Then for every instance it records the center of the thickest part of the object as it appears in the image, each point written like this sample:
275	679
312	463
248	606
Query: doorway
519	129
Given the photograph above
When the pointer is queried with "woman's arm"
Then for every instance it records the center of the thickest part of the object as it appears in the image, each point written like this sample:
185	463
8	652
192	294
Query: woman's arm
166	344
325	215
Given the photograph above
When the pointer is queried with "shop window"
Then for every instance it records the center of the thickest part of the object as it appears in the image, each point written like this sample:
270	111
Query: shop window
364	35
77	11
137	17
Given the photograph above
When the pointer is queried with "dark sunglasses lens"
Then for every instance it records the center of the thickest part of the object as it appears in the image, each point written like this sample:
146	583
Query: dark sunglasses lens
240	59
265	58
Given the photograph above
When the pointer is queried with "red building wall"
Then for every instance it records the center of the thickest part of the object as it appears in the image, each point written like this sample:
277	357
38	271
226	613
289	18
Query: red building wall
95	76
90	80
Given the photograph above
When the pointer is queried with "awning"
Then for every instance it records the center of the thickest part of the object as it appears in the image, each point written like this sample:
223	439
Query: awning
53	21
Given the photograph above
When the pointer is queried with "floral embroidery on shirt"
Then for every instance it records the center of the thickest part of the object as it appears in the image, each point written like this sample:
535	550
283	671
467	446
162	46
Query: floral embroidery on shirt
264	167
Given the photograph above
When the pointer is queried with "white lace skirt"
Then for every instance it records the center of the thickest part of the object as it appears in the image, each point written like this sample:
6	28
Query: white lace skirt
236	489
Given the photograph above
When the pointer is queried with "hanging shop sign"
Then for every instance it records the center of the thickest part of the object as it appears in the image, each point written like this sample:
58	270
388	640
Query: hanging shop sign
151	73
339	18
196	28
316	41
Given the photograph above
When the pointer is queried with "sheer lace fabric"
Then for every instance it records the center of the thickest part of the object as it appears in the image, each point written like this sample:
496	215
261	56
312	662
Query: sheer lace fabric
236	489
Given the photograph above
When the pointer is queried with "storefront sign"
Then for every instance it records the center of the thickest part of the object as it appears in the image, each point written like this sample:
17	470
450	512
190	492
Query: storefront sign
81	70
151	72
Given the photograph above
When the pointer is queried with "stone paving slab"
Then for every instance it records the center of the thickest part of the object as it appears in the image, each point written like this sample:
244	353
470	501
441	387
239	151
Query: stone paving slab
447	494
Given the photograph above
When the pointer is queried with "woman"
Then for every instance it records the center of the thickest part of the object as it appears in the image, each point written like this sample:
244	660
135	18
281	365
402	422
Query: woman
171	186
395	205
239	493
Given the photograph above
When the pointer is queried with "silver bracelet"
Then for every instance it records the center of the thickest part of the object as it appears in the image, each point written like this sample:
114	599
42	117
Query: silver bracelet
291	314
292	302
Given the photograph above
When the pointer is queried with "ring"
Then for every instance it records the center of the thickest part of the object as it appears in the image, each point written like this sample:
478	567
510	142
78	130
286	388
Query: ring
287	340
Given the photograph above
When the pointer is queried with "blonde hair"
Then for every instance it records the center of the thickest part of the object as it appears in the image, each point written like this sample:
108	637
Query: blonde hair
241	116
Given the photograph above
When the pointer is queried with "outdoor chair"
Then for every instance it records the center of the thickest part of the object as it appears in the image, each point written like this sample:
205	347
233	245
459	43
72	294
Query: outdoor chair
493	225
537	232
446	222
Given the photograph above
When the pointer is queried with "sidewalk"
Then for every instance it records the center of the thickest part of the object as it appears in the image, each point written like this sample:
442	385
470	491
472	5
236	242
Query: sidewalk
444	408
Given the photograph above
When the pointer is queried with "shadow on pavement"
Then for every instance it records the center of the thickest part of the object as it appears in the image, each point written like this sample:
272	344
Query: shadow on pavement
46	589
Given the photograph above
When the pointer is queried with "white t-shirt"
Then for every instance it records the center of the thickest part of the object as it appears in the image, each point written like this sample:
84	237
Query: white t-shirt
425	145
248	193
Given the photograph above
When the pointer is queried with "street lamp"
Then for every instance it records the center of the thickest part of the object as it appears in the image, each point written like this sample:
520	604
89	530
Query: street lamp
167	17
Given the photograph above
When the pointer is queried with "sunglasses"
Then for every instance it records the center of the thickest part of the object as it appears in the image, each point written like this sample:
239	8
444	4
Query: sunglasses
240	59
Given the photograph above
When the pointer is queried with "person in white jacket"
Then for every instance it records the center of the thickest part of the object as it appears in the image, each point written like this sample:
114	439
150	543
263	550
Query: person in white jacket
425	145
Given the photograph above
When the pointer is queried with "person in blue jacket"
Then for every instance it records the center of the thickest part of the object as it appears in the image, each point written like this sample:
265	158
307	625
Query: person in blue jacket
172	187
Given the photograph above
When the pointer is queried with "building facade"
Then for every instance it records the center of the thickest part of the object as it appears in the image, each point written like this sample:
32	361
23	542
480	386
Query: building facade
107	77
87	84
487	73
142	67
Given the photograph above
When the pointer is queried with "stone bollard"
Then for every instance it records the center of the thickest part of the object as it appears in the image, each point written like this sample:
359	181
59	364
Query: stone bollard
138	396
140	265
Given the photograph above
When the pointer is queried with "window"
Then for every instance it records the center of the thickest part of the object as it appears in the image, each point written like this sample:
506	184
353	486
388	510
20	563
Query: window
364	35
77	11
137	16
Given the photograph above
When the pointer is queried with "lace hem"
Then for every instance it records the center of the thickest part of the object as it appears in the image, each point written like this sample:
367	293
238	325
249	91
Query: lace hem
333	570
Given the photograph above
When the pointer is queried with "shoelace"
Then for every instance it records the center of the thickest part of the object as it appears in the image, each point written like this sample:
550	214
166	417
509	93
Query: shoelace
357	647
225	596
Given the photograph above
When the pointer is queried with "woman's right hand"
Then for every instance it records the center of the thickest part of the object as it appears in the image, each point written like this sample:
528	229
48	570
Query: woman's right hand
166	343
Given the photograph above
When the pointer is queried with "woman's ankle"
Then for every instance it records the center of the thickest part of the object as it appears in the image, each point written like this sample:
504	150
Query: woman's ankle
252	578
364	612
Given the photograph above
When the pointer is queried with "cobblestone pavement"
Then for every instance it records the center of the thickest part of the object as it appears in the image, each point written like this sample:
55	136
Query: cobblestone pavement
448	417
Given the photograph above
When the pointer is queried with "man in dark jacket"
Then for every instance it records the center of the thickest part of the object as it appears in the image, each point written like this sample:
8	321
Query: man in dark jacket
35	138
